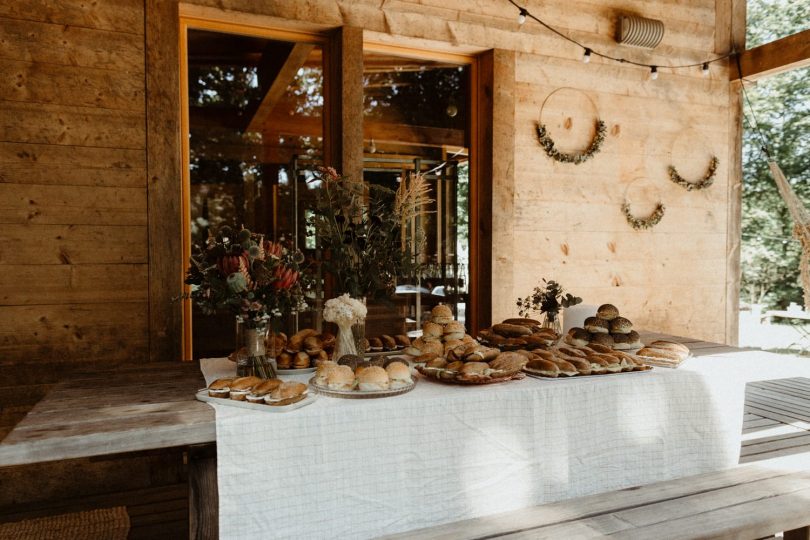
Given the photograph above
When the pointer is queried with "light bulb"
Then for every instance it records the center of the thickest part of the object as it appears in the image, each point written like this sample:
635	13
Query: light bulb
705	69
373	148
654	72
522	16
586	57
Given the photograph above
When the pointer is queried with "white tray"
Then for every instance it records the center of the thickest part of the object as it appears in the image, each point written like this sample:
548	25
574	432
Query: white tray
202	395
296	371
594	376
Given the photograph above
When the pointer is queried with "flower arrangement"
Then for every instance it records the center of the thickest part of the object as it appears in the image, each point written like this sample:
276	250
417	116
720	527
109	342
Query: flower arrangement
344	310
549	300
363	231
248	275
643	223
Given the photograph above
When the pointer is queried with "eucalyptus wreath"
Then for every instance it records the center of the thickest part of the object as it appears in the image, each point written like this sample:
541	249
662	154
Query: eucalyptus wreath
708	178
548	145
643	223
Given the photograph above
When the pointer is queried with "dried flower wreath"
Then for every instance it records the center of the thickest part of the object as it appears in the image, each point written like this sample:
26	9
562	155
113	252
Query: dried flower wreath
643	223
708	178
548	145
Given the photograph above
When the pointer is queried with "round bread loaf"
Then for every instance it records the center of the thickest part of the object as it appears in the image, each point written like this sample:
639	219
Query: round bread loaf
375	344
389	343
441	314
607	312
595	325
432	331
620	325
511	330
622	342
313	344
454	330
402	340
284	360
301	360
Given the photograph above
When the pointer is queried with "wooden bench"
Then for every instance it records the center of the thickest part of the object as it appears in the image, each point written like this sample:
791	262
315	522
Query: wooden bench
743	503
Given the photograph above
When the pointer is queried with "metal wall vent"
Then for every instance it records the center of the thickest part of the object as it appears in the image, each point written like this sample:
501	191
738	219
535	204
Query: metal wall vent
640	32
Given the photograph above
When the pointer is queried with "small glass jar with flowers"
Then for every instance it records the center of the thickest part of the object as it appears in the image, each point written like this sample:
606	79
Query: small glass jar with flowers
258	280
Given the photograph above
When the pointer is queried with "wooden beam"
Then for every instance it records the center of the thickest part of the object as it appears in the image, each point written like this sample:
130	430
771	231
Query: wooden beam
343	97
790	52
298	55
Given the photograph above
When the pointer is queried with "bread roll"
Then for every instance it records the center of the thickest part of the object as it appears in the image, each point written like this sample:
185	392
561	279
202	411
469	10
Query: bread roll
328	341
670	346
301	360
522	322
511	330
578	338
284	361
607	312
441	314
491	338
620	325
220	388
402	341
313	345
388	342
373	378
582	365
567	369
596	347
475	369
663	354
340	378
595	325
605	340
543	367
432	331
508	363
454	330
375	344
296	342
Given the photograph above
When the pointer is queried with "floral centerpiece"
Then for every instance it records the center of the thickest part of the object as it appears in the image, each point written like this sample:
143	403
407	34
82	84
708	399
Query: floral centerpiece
258	280
366	232
548	300
344	311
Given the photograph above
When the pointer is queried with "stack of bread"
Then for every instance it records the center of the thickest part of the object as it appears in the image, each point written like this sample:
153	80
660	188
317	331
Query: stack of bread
514	334
478	367
363	378
664	353
571	362
440	335
607	328
305	349
385	343
256	390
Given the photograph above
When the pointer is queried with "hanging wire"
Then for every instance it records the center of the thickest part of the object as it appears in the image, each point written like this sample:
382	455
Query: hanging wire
758	130
525	13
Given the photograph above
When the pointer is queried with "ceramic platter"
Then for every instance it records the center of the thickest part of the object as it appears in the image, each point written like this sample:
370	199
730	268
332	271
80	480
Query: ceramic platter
357	394
202	395
301	371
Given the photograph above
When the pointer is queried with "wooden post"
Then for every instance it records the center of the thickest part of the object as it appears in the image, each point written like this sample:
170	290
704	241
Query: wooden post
203	493
798	534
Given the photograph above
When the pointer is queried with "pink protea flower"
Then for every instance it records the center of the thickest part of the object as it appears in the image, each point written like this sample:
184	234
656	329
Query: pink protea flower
329	172
272	249
285	277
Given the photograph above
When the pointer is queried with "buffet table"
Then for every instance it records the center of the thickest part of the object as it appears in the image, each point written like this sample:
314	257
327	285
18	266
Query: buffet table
438	454
363	468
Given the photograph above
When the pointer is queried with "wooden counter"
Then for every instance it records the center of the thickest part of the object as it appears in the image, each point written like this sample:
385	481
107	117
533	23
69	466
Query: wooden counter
142	407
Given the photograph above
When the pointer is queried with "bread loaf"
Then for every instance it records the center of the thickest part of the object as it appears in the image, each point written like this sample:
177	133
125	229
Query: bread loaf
511	330
670	346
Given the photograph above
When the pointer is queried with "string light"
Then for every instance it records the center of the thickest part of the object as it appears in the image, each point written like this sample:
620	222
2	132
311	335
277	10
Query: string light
524	14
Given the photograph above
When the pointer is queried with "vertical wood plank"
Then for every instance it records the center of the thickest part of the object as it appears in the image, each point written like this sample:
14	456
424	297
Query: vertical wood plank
797	534
163	179
736	14
203	493
343	129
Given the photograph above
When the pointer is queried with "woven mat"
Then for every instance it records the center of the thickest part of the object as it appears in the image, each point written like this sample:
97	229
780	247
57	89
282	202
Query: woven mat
103	524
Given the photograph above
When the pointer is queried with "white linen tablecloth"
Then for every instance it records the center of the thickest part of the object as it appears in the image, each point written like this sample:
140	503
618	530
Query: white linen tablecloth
363	468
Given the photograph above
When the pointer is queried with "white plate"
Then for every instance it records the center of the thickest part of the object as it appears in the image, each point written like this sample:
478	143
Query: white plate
295	371
357	394
595	376
202	395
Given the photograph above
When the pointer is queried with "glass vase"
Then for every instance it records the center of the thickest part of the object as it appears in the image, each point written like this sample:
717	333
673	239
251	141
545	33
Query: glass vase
359	333
551	321
344	342
253	359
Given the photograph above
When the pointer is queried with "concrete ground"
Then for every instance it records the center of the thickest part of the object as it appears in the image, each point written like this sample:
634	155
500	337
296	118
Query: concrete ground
775	337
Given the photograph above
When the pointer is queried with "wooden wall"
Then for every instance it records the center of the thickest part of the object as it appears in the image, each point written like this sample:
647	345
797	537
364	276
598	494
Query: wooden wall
84	124
73	214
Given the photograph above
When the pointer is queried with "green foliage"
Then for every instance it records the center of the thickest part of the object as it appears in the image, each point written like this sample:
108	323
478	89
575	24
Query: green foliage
770	254
549	300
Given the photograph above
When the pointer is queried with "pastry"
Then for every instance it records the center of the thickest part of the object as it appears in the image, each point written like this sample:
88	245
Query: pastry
582	365
543	367
340	378
402	341
482	354
436	363
276	342
296	341
511	330
490	337
454	366
452	344
567	369
258	392
454	330
620	325
649	352
606	340
373	378
546	355
319	358
286	393
241	387
328	341
301	360
284	360
432	331
220	388
472	370
607	312
441	314
399	374
670	346
388	343
508	363
595	325
313	345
